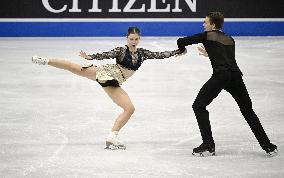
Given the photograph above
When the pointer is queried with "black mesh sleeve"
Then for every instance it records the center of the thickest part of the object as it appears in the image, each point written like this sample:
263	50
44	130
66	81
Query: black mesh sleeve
107	55
195	39
159	55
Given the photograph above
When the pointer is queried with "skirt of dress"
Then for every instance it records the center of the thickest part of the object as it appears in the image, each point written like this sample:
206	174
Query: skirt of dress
110	72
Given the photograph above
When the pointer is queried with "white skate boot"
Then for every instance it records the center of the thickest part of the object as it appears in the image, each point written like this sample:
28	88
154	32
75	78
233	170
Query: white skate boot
39	60
112	142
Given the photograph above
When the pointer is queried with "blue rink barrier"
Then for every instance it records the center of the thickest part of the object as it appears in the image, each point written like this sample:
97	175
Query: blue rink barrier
101	29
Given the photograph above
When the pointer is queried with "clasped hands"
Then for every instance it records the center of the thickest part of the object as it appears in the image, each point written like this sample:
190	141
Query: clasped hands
201	50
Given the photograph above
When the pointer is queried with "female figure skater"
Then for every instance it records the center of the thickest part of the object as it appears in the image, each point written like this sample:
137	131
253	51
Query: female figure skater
110	76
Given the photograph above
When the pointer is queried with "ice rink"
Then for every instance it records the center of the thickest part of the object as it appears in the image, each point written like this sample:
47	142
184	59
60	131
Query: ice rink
53	123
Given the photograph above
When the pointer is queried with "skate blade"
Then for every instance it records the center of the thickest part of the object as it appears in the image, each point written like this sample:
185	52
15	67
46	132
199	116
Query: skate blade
273	153
204	154
111	146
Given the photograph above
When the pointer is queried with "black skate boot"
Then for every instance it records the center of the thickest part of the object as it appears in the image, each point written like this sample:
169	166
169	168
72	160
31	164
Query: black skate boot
205	149
270	149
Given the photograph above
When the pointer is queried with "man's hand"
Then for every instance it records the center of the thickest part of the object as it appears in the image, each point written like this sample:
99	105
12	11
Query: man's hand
202	51
180	54
84	55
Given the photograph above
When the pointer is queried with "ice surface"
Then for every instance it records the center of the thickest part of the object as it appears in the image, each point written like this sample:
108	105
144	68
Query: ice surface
53	123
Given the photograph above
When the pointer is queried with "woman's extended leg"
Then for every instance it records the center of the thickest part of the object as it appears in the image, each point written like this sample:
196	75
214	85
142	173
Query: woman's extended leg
89	73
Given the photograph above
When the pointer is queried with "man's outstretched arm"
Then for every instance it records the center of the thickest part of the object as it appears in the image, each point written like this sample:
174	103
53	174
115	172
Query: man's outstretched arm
195	39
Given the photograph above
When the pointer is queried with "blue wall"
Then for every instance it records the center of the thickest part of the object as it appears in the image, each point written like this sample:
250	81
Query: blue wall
85	29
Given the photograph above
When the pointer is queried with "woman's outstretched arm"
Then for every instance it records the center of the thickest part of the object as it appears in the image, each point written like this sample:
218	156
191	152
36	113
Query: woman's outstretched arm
160	55
100	56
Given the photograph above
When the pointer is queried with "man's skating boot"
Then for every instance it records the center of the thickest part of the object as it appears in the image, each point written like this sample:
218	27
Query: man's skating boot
270	149
204	150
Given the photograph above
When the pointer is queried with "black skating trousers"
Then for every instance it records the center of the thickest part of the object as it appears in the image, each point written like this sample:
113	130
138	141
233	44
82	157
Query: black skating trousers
232	82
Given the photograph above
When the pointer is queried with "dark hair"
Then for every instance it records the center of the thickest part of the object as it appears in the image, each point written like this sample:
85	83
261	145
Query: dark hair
133	30
216	18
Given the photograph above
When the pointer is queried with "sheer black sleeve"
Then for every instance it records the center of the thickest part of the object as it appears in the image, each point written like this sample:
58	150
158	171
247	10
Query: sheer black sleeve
194	39
107	55
159	55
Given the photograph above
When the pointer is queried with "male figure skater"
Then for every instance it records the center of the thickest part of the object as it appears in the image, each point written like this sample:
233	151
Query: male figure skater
220	48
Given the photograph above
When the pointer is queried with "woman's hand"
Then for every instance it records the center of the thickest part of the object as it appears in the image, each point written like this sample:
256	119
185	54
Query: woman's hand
202	51
84	55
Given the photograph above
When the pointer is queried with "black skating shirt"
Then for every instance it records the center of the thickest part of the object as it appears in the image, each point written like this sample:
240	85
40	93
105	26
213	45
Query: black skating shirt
219	46
132	61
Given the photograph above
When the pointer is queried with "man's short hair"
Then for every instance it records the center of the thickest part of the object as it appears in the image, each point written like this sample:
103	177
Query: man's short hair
216	18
